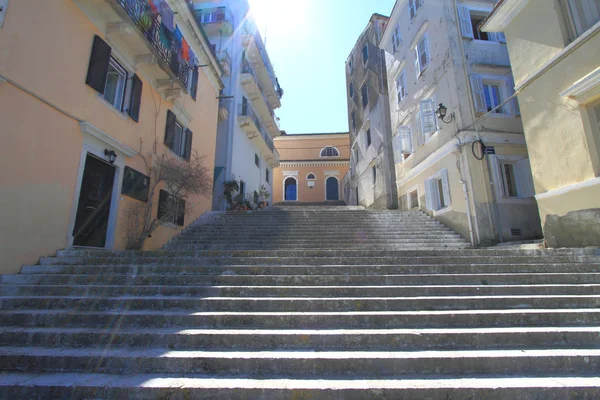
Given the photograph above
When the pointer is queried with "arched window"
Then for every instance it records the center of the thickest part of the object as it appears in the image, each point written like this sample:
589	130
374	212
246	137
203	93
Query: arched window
311	177
330	152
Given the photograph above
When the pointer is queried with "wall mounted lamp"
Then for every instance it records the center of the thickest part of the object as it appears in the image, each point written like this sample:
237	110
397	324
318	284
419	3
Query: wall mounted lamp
111	155
441	113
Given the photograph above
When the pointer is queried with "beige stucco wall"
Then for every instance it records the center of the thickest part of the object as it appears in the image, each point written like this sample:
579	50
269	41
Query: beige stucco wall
562	145
301	154
46	49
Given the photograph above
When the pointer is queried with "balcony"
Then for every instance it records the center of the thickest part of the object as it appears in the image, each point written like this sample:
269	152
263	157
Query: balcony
256	54
249	122
256	94
225	60
216	21
134	29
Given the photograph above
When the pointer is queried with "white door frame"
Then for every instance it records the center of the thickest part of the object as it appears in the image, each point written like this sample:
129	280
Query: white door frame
338	186
295	178
95	142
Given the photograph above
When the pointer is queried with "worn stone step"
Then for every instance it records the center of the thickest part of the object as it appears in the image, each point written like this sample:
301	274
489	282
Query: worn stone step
127	318
313	240
228	267
298	304
306	339
164	386
98	289
307	280
202	245
363	364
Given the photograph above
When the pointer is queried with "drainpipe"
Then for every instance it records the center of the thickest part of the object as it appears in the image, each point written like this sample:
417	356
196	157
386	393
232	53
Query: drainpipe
465	190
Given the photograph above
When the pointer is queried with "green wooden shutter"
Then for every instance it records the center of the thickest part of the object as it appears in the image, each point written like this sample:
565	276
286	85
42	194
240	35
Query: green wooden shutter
187	155
98	68
170	130
136	98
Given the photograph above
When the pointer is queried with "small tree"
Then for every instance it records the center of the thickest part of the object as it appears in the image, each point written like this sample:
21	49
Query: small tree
182	179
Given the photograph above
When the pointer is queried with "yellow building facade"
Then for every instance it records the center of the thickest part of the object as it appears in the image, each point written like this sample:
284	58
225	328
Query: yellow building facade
91	93
312	167
554	48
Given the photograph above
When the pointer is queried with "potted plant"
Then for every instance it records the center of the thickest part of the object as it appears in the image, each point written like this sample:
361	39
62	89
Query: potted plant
263	195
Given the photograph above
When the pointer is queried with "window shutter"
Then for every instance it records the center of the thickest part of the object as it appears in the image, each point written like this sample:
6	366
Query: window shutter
397	146
180	216
417	64
98	68
406	139
430	190
446	187
477	90
188	145
136	98
194	84
163	204
524	178
464	16
500	37
170	129
426	50
497	174
420	140
428	124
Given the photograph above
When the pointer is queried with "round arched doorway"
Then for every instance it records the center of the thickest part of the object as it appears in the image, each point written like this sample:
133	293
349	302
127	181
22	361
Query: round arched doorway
332	188
290	191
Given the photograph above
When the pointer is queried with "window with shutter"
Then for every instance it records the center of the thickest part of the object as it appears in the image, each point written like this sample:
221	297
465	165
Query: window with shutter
364	93
116	80
582	15
187	151
445	188
99	64
194	83
428	121
396	38
368	135
401	86
524	178
464	15
431	195
170	130
422	55
477	90
406	139
177	138
508	180
437	191
414	6
365	54
136	98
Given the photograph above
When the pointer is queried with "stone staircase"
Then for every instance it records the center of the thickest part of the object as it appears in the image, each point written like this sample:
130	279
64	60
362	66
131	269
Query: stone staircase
305	303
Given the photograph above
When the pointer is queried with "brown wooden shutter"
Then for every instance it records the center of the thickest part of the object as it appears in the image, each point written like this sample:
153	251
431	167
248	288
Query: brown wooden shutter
98	68
180	217
188	145
136	98
170	129
194	86
163	204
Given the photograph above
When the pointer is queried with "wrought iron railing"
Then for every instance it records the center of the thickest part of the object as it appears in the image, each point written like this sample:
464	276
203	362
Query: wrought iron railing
251	29
247	69
246	110
140	13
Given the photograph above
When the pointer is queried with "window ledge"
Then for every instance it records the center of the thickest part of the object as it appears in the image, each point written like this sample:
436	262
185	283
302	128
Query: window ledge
171	225
109	105
442	211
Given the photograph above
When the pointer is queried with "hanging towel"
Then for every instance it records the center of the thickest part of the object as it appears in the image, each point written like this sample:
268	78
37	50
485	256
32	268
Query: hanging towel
185	50
166	15
154	6
166	36
178	38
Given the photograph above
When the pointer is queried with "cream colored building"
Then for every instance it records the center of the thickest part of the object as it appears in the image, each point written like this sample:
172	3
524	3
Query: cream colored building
554	48
88	88
312	167
437	55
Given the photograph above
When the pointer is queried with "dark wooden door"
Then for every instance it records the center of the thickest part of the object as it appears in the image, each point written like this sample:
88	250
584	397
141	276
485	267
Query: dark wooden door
333	192
91	222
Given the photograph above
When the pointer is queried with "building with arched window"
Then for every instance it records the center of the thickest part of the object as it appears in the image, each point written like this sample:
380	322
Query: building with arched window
312	167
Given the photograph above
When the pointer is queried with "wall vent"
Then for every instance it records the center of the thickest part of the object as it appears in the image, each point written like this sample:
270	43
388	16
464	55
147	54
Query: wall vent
515	232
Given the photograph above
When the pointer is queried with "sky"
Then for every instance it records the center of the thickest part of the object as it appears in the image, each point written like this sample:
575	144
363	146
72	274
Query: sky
308	42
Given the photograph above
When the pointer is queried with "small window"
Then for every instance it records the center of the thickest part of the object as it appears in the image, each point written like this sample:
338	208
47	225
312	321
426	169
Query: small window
351	90
364	93
414	6
365	54
509	181
114	90
330	152
422	55
374	170
401	87
170	208
353	118
177	137
350	63
356	154
413	199
368	134
267	175
396	39
478	34
311	177
515	178
492	96
582	15
256	160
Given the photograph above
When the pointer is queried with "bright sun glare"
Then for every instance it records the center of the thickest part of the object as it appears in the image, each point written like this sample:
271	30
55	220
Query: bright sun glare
279	16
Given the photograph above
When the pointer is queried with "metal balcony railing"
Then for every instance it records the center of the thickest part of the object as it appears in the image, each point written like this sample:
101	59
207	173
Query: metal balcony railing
214	15
251	29
247	69
141	15
246	110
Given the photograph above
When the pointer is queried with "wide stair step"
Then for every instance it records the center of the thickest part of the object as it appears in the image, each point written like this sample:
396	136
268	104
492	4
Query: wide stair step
305	302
